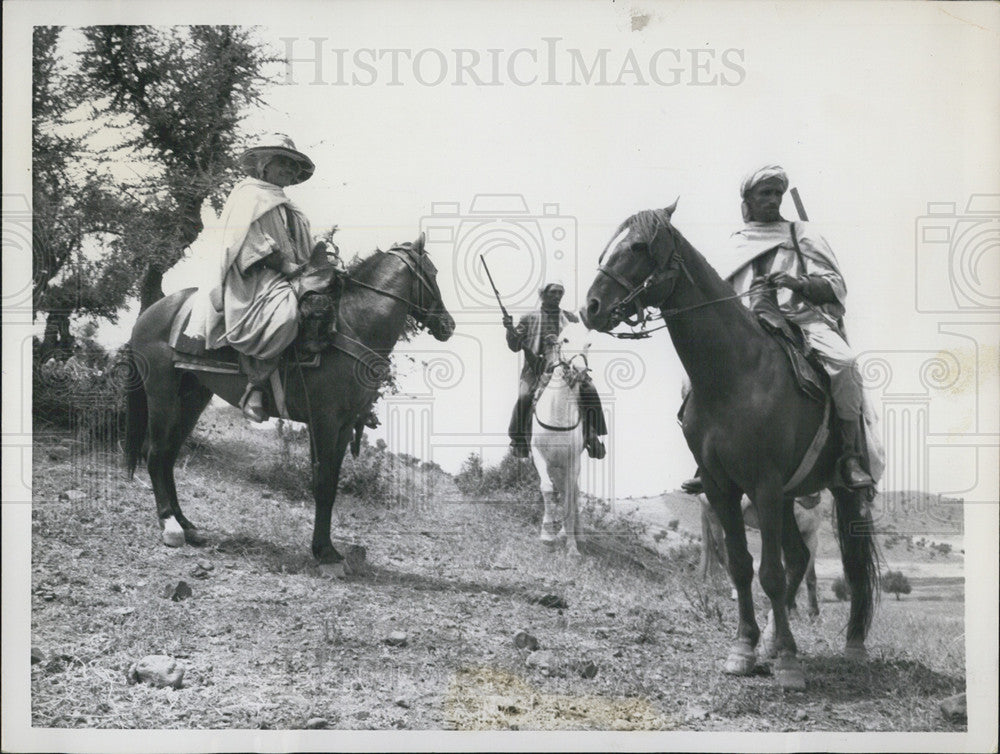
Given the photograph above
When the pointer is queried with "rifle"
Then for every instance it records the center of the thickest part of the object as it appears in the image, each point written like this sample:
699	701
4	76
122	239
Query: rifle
493	285
798	205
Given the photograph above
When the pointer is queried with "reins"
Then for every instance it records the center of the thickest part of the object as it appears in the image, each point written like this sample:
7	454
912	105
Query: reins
666	313
424	285
671	270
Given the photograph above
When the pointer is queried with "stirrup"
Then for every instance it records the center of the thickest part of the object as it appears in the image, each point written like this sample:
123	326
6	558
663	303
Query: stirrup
693	486
853	475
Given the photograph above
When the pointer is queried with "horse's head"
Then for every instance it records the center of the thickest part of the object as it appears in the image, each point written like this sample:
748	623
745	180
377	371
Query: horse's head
427	306
637	270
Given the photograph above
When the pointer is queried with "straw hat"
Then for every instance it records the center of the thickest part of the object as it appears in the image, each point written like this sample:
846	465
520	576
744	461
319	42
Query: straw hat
272	145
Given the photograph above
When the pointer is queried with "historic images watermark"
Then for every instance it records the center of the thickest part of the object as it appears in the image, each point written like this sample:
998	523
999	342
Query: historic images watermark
938	405
319	61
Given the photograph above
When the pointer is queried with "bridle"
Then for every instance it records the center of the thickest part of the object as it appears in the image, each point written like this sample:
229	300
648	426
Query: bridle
404	253
667	271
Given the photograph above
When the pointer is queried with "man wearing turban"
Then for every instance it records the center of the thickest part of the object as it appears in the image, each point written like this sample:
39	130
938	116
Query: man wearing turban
532	335
811	293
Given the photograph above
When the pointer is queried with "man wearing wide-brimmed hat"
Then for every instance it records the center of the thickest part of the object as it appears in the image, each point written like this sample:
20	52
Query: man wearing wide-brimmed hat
531	335
267	243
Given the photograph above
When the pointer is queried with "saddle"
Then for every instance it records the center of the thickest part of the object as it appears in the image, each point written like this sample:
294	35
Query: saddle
810	376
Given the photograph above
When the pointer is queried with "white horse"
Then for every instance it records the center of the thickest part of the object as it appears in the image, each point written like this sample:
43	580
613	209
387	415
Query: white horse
557	436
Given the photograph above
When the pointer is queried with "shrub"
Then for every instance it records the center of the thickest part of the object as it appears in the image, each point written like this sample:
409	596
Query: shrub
894	582
83	393
841	590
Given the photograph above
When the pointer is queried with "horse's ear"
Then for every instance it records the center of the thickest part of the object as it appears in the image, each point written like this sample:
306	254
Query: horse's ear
418	245
669	211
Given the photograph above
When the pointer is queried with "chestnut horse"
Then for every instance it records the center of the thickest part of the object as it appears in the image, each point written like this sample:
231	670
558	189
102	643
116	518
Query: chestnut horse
164	402
747	425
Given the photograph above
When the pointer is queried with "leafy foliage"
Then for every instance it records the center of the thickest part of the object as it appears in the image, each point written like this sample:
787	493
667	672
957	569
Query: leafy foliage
895	582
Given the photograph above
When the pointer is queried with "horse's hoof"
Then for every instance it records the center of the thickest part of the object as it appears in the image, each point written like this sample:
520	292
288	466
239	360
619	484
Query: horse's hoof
741	659
195	538
333	570
788	672
855	652
173	534
769	648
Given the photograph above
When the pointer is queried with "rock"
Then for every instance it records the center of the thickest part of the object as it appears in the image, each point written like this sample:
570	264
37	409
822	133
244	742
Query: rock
37	656
620	724
553	601
542	660
587	669
602	632
266	495
402	702
362	715
72	495
315	723
179	592
198	572
157	670
800	715
524	640
396	639
206	565
954	708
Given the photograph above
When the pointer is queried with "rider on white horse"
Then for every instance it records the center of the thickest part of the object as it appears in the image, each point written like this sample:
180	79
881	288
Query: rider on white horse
535	329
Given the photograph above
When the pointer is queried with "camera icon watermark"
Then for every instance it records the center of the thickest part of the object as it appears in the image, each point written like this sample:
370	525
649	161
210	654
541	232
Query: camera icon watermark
958	256
523	249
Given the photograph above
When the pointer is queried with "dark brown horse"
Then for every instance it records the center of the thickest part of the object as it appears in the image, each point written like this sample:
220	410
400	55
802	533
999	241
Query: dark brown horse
746	423
164	402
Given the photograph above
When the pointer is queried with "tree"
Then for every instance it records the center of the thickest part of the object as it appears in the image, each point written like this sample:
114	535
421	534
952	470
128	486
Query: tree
71	209
177	96
894	582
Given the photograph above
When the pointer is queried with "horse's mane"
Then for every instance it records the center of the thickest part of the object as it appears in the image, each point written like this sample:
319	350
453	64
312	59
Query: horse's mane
361	266
645	223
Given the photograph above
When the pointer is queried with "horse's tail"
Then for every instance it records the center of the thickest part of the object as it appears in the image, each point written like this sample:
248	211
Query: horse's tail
860	556
136	415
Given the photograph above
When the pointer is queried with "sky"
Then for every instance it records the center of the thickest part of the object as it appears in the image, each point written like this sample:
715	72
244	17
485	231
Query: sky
495	129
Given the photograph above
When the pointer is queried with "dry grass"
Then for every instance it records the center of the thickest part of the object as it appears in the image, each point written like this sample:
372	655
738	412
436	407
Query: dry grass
270	642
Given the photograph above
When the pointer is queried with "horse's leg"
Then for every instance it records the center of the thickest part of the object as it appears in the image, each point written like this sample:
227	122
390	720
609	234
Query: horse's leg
796	556
725	501
775	516
571	491
861	566
194	398
811	536
163	395
550	526
331	440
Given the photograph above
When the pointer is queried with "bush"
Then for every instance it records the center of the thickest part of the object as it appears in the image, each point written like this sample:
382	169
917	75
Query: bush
841	590
894	582
83	393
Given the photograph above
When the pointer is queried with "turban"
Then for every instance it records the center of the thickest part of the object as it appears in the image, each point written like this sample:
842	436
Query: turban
757	176
554	283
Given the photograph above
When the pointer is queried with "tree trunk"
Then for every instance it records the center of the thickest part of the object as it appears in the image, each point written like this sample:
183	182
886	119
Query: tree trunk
150	287
57	340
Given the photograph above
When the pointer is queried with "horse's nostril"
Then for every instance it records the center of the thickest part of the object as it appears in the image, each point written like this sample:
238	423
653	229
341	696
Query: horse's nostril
594	307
